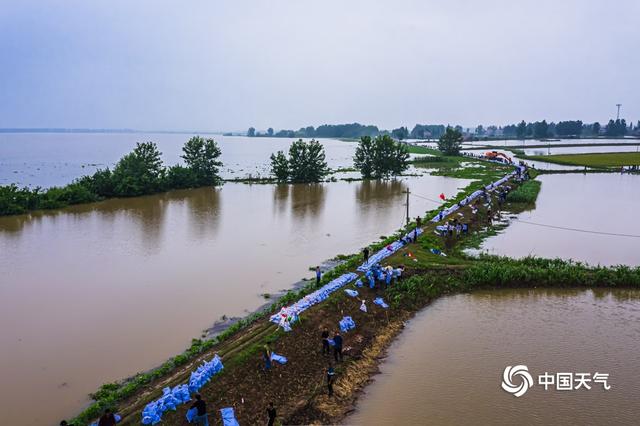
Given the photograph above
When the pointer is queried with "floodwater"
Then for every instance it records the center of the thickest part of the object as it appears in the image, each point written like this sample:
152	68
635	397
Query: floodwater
580	149
446	368
95	293
526	143
592	202
55	159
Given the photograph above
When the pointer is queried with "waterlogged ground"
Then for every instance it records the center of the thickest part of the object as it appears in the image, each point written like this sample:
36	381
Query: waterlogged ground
593	202
446	367
54	159
98	292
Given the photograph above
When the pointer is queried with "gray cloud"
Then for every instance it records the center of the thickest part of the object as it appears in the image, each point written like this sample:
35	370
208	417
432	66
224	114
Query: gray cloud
227	65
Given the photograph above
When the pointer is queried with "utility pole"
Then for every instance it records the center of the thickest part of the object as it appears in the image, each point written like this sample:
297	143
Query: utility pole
618	116
407	192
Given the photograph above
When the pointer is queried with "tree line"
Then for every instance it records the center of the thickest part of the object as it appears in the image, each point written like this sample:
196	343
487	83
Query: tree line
537	129
140	172
350	131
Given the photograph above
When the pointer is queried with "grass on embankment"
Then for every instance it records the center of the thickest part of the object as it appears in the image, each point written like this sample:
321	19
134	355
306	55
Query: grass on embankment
604	159
527	193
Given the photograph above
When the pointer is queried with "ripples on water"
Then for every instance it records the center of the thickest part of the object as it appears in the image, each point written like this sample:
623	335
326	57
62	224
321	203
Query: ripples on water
446	367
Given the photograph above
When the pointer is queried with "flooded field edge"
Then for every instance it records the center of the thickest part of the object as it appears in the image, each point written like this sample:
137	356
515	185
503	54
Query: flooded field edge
318	407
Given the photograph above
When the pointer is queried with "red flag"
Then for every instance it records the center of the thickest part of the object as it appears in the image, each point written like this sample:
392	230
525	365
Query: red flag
442	197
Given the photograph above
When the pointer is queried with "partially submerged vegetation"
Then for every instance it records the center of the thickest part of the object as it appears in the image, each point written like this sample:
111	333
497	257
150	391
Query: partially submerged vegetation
380	157
297	388
527	193
304	164
140	172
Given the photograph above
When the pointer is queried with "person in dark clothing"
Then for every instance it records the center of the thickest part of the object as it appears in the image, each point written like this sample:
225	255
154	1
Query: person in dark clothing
331	376
201	411
266	356
271	412
365	252
107	419
318	276
64	423
337	347
325	342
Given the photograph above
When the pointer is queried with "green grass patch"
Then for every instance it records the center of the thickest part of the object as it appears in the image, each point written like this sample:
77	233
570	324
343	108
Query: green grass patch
527	193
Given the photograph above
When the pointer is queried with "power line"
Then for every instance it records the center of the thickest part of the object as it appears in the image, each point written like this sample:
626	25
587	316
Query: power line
427	198
586	231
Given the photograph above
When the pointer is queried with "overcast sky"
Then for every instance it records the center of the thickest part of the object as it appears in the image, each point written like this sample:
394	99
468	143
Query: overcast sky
213	65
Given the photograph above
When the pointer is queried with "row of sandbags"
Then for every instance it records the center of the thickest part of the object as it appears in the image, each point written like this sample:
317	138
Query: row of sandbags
289	314
388	250
180	394
448	211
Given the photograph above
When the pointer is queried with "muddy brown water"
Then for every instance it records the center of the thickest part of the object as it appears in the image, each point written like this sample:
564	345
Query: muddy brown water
589	202
95	293
446	368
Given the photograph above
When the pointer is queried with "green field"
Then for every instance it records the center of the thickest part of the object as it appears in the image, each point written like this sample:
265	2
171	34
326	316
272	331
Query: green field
604	159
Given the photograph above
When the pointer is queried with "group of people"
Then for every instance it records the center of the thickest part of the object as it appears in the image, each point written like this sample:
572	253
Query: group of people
454	228
387	274
202	416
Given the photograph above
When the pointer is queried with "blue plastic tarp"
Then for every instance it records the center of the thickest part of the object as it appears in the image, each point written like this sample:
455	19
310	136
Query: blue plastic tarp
228	417
278	358
380	302
191	414
346	324
352	293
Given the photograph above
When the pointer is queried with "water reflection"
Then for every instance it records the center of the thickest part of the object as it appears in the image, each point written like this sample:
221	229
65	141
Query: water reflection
307	200
377	192
141	256
457	349
203	206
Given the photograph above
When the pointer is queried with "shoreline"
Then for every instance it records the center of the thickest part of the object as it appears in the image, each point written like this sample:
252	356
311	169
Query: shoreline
240	351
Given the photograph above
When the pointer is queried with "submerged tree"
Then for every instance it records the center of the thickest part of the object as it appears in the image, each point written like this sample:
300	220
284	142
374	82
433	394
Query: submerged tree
380	157
139	172
450	142
280	166
306	162
201	156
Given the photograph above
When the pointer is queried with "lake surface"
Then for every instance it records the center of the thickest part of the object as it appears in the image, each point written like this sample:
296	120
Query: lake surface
54	159
580	150
524	144
98	292
446	367
595	202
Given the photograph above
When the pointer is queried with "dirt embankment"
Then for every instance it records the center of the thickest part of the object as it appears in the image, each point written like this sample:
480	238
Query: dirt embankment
298	389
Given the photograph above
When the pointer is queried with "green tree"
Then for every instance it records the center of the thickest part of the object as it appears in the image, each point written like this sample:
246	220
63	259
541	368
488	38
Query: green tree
540	129
450	142
400	133
270	131
201	156
595	128
280	166
306	162
139	172
380	157
364	157
251	132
